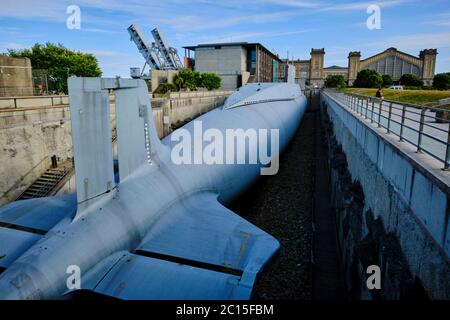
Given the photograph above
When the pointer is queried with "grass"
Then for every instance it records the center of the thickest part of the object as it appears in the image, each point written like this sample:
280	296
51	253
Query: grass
410	96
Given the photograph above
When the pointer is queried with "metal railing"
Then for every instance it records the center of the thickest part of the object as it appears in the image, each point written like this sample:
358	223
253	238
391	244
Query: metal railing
426	128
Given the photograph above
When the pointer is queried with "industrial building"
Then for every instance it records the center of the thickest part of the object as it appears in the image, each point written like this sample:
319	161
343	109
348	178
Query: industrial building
389	62
236	63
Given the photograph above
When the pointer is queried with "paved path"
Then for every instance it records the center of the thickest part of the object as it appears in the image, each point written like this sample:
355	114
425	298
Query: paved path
435	134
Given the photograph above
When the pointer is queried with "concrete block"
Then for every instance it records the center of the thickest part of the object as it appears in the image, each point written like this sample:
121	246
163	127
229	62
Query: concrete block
430	206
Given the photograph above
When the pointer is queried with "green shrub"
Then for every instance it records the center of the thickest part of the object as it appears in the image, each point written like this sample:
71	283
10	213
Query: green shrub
197	79
368	78
335	81
185	79
165	87
211	81
411	80
387	80
188	79
441	81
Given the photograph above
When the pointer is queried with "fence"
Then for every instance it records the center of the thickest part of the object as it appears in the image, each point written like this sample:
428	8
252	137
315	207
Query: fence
426	128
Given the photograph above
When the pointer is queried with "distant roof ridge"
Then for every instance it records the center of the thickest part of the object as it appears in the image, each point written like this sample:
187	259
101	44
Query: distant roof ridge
335	67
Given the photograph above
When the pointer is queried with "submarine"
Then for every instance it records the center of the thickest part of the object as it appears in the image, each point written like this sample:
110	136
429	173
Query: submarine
157	228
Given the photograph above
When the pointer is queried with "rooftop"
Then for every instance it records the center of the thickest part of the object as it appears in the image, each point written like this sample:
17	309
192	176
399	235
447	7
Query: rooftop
232	44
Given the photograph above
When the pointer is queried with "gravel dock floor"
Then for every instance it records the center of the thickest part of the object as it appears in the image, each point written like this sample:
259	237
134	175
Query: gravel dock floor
282	205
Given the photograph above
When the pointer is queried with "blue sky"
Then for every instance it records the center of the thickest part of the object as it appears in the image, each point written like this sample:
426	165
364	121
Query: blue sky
293	26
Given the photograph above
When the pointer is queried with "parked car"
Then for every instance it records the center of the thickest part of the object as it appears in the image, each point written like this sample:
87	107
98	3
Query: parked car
396	87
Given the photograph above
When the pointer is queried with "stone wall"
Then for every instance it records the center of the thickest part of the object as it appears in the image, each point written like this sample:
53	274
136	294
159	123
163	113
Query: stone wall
391	212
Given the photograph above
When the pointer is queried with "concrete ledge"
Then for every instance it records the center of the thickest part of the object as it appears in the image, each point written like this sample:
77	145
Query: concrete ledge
57	100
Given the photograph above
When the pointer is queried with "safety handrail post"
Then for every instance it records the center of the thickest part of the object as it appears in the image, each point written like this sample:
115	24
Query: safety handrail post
367	107
379	113
419	138
361	101
389	117
371	114
361	107
447	150
402	121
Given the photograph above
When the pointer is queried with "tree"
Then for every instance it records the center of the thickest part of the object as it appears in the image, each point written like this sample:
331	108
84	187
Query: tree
412	80
211	81
165	87
335	81
442	81
387	80
178	81
60	63
197	79
368	78
187	79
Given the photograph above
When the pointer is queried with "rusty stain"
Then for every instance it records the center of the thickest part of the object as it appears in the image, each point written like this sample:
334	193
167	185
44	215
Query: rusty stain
119	288
243	245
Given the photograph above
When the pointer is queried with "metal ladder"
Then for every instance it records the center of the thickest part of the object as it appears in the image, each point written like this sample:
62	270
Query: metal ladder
45	184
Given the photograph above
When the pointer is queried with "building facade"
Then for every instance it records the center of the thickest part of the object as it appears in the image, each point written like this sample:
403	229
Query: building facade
307	72
395	63
335	71
236	63
391	62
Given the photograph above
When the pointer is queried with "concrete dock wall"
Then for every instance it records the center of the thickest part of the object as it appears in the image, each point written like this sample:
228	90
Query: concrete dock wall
32	133
392	208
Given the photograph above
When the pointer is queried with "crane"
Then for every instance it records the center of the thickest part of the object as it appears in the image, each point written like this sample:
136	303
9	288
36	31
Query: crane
158	55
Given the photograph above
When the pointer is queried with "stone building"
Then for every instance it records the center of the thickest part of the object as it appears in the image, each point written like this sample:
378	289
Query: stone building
395	63
335	70
307	72
391	61
15	77
236	63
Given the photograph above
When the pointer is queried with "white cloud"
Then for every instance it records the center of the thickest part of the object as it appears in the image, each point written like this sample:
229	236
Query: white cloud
197	23
108	53
29	9
235	37
417	41
350	6
295	3
11	45
99	30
